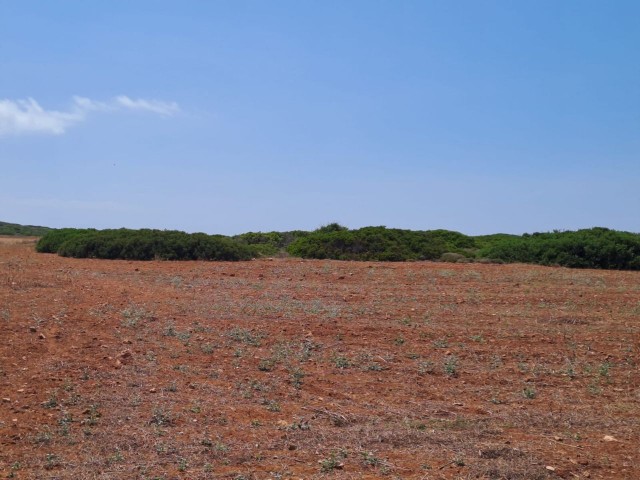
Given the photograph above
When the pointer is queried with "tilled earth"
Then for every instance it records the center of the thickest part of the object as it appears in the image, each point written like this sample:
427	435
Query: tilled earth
289	368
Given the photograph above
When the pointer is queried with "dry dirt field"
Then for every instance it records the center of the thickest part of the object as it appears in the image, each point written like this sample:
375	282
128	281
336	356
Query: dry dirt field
315	369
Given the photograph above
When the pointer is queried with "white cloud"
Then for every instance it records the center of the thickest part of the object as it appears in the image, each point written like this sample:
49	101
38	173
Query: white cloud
27	116
155	106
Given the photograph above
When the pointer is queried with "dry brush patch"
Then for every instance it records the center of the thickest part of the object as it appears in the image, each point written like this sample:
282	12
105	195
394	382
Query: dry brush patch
315	369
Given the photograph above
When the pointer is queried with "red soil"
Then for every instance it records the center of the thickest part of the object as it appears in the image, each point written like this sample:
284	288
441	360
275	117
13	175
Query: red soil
310	369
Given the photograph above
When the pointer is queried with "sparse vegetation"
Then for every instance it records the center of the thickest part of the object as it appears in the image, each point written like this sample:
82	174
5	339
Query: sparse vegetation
328	369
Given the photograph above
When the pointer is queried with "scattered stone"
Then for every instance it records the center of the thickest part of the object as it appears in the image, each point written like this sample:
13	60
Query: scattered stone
7	400
41	336
32	329
609	438
125	357
550	468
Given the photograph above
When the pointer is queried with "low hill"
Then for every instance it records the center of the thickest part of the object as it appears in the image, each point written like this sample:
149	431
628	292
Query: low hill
22	230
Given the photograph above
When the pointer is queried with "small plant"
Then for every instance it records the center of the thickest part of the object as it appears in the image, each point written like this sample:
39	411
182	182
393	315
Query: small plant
451	366
296	378
170	330
92	415
272	406
133	314
172	387
43	437
374	367
440	343
64	422
399	341
245	336
116	457
221	447
570	370
51	461
182	464
594	388
184	337
426	368
604	369
161	417
334	462
370	460
529	393
52	402
496	362
266	365
207	348
341	362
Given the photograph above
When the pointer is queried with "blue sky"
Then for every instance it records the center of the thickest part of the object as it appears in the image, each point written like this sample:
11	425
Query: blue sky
234	116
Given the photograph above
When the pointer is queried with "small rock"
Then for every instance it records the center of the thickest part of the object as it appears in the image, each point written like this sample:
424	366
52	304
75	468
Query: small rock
557	439
550	468
7	400
41	336
32	329
609	438
152	390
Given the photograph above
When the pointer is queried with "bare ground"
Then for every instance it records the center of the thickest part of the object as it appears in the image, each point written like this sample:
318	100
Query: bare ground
315	369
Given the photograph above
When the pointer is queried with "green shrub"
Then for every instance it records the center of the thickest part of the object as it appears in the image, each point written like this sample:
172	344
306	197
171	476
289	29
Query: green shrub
51	241
143	245
22	230
453	258
589	248
370	243
269	244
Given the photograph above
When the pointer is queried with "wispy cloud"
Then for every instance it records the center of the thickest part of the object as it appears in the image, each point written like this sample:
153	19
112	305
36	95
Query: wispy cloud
28	117
155	106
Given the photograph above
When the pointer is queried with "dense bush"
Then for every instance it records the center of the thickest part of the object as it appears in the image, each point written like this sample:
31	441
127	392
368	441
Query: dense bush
143	245
589	248
269	243
51	241
376	243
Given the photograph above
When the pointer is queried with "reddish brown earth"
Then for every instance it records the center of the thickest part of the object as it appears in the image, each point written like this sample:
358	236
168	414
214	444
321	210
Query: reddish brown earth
315	369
